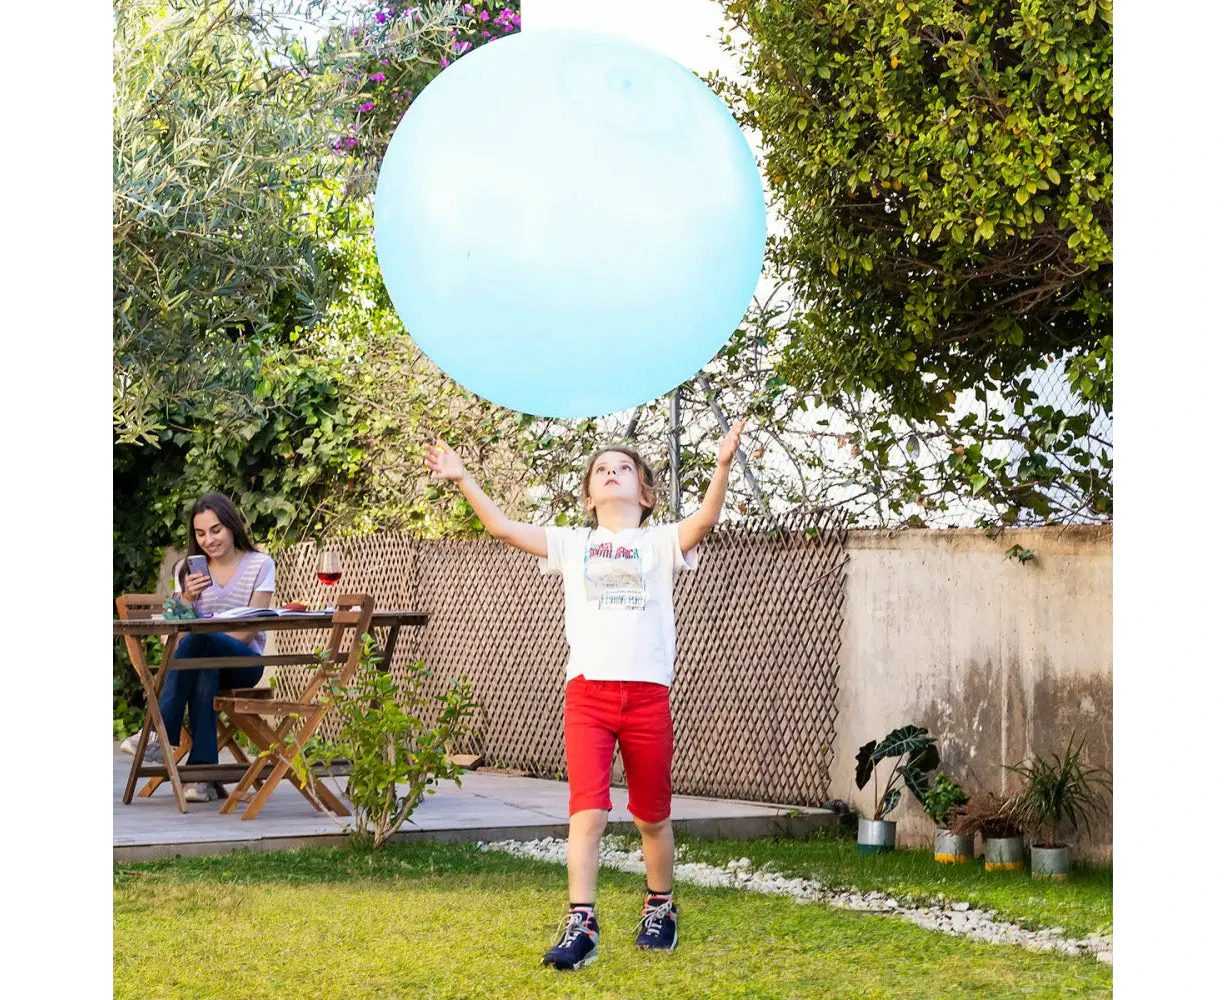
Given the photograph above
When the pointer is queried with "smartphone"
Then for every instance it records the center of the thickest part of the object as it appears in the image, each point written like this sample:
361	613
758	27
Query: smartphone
199	564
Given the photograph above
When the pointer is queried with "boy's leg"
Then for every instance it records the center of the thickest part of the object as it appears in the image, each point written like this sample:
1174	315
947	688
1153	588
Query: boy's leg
589	762
646	740
589	738
658	851
583	854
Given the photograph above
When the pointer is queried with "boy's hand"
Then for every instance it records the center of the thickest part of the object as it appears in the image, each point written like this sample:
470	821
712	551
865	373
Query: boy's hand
730	443
444	462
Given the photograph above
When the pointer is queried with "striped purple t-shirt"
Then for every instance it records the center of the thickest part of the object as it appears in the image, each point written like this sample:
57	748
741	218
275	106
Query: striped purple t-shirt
256	571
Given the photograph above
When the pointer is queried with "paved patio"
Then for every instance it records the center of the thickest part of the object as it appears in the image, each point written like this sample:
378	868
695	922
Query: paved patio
488	807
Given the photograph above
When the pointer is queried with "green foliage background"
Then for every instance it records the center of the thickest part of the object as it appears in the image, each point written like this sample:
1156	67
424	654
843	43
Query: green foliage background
256	351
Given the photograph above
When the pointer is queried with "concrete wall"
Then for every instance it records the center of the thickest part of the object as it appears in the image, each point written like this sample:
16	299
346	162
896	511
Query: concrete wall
998	660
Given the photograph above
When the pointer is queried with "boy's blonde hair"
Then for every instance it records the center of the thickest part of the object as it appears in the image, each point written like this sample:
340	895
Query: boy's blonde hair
647	480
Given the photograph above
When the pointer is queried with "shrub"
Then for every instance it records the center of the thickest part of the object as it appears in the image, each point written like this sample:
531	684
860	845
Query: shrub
395	753
943	800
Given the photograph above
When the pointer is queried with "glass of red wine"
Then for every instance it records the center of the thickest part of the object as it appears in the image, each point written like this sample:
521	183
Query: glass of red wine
329	568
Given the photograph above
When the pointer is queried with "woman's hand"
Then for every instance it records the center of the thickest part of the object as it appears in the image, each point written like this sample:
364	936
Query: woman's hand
195	585
444	462
728	446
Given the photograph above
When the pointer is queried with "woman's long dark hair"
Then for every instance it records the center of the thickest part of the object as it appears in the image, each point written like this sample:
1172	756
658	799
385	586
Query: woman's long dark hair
227	514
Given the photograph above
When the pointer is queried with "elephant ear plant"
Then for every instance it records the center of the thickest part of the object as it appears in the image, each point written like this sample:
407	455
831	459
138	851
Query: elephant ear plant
921	759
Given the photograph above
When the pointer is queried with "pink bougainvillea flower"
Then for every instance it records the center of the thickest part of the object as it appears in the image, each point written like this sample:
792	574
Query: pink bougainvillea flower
462	47
444	62
377	77
483	16
381	17
368	106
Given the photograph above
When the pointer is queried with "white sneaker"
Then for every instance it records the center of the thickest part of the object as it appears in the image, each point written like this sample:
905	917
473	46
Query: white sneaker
128	746
200	791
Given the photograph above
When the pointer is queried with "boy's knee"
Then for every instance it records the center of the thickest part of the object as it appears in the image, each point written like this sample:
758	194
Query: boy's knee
593	820
652	828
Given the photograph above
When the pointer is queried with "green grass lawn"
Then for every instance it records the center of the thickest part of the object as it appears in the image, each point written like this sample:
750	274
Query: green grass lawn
1081	904
448	921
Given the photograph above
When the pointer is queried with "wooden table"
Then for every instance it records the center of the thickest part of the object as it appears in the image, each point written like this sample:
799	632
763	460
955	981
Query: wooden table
152	683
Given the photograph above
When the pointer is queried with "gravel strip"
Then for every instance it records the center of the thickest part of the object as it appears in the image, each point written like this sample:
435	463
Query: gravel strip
953	918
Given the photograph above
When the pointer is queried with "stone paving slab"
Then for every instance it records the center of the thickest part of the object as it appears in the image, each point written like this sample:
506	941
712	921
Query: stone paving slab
488	806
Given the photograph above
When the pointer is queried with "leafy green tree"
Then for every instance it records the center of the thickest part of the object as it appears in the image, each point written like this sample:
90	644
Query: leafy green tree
944	170
225	189
944	173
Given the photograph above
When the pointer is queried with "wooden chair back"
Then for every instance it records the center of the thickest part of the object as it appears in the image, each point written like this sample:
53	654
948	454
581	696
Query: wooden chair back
131	606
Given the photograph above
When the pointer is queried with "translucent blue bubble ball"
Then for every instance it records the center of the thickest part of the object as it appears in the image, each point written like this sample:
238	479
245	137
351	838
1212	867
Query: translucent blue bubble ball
569	224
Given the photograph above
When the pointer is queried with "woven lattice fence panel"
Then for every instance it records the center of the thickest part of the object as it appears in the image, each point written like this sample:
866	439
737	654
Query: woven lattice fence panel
383	566
495	619
758	633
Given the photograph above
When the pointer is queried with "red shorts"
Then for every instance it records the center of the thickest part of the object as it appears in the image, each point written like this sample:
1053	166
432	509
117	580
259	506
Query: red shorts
636	715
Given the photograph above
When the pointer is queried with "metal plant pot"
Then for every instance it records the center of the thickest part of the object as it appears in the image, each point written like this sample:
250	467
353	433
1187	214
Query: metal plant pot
875	835
1003	854
1050	862
952	848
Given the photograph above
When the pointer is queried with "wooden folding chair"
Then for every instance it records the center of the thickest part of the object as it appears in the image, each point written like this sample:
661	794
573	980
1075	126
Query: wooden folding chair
130	606
301	717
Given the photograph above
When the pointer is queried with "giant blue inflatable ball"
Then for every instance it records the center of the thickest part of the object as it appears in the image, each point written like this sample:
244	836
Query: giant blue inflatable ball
569	224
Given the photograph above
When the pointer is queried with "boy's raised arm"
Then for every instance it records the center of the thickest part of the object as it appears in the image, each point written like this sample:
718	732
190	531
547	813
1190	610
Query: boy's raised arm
446	464
694	528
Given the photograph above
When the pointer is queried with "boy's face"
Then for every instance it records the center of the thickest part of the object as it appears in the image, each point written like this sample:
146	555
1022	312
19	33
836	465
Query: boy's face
614	477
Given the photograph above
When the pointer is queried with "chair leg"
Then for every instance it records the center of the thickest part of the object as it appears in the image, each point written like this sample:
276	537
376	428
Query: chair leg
151	786
279	770
259	734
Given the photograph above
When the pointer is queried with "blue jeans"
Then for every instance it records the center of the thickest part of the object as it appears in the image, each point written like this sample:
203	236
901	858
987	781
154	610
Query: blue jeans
196	689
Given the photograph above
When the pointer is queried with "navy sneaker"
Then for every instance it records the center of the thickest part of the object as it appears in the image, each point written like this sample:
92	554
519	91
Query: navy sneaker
577	946
658	925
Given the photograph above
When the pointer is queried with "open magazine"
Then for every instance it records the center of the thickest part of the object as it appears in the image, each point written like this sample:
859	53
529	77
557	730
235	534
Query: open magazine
264	613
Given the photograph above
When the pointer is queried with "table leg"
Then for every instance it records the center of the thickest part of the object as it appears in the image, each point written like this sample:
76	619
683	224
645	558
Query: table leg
389	647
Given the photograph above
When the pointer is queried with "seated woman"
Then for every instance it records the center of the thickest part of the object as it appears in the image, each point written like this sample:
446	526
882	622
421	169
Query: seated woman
238	577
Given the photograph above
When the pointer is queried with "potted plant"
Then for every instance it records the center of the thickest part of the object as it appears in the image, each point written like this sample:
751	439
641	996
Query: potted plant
1059	794
877	834
995	820
943	802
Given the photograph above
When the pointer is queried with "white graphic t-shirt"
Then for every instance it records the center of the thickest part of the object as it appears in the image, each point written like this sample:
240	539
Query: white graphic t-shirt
619	599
